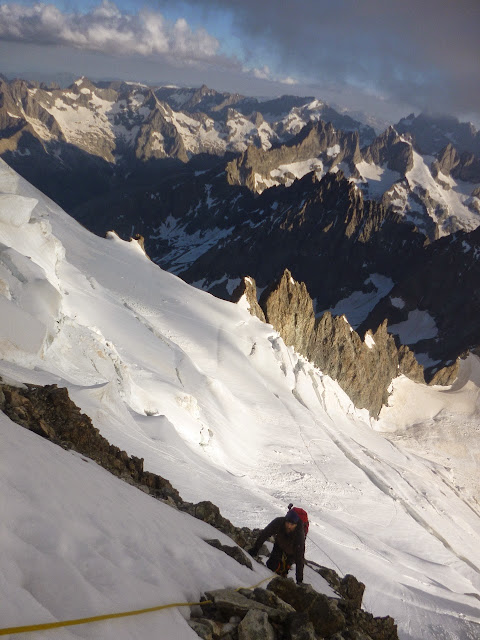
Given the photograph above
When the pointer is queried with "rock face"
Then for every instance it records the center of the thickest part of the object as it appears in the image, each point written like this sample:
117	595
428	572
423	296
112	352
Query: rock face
462	166
364	369
323	231
317	140
248	289
89	138
49	412
431	134
389	149
285	611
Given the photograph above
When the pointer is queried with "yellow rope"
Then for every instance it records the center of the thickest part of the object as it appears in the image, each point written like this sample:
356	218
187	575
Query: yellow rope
109	616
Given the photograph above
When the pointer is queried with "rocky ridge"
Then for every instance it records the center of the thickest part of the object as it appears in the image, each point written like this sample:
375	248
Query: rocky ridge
462	166
317	142
282	611
364	368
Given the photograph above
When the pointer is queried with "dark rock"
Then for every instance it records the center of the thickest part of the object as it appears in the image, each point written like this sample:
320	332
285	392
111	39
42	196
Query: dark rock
210	513
234	552
328	574
315	140
431	133
363	372
229	602
322	611
49	412
300	627
352	591
202	630
255	626
270	599
248	288
445	287
389	149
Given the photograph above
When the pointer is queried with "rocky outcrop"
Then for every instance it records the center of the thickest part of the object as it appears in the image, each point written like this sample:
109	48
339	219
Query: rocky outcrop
462	166
49	412
248	289
286	611
232	551
363	368
316	140
322	230
390	150
159	138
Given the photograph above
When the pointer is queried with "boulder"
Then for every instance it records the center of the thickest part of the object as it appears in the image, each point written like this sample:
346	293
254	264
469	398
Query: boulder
255	626
352	591
300	627
233	551
229	602
322	611
202	630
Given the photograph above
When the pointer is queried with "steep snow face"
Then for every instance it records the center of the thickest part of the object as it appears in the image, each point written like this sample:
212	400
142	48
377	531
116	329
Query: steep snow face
214	401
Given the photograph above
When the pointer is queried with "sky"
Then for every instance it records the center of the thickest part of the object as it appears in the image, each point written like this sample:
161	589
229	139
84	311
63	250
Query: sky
386	58
213	400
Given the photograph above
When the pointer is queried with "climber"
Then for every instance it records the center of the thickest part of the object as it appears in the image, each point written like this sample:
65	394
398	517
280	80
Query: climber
289	545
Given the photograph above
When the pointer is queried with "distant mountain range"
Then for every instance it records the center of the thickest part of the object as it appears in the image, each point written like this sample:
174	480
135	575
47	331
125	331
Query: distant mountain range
222	186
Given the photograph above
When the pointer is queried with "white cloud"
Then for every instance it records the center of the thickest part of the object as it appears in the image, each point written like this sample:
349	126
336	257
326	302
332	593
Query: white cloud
289	80
263	73
105	28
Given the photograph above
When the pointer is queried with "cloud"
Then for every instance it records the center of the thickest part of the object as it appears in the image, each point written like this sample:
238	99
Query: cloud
386	56
421	52
106	29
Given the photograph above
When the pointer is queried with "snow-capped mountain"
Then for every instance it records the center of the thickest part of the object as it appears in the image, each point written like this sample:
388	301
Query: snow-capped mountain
113	121
222	187
211	399
118	132
439	195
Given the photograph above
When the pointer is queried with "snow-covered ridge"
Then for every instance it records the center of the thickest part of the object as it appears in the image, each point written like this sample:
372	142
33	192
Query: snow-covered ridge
110	121
213	400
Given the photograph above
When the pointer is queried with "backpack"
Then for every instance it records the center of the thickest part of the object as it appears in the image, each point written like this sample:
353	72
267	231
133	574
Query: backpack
303	515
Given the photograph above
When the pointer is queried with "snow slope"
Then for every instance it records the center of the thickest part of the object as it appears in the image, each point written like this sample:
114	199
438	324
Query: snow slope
212	400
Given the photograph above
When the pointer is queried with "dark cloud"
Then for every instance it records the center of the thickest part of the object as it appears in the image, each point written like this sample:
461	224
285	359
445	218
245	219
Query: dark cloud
421	52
